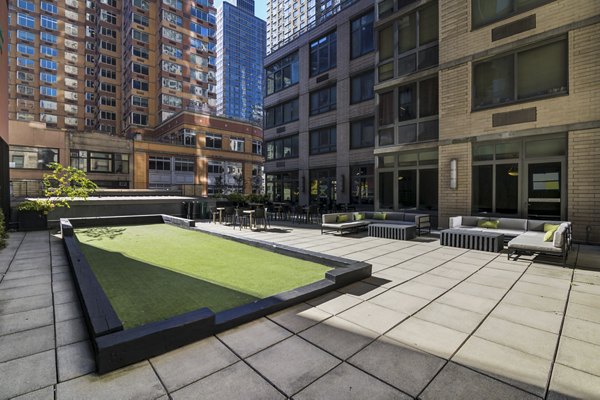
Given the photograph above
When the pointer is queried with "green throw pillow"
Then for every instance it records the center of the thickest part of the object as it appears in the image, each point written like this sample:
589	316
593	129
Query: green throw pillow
549	236
359	217
379	215
488	224
341	218
550	227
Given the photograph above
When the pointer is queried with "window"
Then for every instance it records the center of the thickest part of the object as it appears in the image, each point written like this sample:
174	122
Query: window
140	52
139	85
25	62
109	115
362	184
417	182
108	17
72	57
362	133
139	119
172	51
172	18
172	35
48	37
172	84
26	5
71	121
69	69
323	140
108	87
159	163
71	95
24	49
108	32
361	87
48	105
140	19
172	101
139	68
108	101
201	29
71	15
282	114
25	116
108	59
184	165
25	90
323	54
257	147
236	144
100	162
24	76
71	108
517	76
214	141
418	40
48	22
487	11
282	148
48	91
143	4
112	3
282	74
173	3
71	83
48	7
172	68
31	157
24	103
108	46
139	101
362	35
323	100
25	36
25	21
140	36
48	78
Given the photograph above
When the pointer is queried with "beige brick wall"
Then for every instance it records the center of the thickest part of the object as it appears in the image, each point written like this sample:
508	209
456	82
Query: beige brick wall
457	201
458	40
584	185
580	105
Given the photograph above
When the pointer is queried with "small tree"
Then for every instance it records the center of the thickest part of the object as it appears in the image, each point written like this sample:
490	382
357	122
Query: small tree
60	186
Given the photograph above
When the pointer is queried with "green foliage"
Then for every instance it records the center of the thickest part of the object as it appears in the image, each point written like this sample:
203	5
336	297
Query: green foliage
236	198
60	186
3	234
256	198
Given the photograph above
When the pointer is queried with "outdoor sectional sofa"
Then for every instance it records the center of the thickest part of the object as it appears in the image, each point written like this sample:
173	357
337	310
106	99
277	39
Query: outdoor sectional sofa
524	236
333	222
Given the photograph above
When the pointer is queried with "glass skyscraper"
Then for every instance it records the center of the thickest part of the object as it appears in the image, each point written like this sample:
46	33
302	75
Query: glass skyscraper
241	38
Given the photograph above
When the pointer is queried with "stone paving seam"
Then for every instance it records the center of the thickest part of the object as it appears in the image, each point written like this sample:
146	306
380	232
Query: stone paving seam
562	324
248	365
160	379
14	254
475	330
54	317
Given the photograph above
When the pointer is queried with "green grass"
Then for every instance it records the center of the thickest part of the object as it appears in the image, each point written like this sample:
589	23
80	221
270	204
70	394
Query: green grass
153	272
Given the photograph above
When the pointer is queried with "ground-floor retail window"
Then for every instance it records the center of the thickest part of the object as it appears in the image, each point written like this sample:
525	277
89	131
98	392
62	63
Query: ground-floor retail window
520	178
411	178
363	184
225	177
282	186
323	184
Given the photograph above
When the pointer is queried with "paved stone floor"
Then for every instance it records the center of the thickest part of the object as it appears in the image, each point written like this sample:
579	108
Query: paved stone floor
432	323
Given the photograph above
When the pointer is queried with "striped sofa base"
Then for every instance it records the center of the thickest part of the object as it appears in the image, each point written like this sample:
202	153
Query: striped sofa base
474	240
393	231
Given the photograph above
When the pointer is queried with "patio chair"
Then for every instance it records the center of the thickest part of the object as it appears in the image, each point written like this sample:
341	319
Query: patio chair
241	219
215	214
229	215
298	214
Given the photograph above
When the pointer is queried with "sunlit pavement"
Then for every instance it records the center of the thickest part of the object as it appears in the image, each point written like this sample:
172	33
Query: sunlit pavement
432	322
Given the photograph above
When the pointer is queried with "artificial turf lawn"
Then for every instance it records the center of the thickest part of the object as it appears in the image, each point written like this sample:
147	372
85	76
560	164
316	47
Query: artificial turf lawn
153	272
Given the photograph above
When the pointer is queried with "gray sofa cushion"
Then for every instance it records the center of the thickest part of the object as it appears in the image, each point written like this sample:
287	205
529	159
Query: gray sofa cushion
535	225
515	224
533	241
472	221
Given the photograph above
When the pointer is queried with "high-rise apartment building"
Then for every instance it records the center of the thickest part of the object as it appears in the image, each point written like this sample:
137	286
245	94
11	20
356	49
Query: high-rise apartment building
319	112
117	66
240	53
489	109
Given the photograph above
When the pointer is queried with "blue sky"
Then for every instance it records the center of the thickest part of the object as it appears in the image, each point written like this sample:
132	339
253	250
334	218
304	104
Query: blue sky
260	8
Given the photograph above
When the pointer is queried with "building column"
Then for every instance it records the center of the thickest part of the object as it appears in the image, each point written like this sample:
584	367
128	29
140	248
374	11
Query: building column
454	201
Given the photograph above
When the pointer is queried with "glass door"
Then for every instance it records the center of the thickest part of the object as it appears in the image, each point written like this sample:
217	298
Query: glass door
544	190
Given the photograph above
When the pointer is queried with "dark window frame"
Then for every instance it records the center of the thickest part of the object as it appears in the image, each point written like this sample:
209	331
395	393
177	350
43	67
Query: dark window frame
316	107
363	86
364	143
275	149
319	133
514	12
358	30
328	43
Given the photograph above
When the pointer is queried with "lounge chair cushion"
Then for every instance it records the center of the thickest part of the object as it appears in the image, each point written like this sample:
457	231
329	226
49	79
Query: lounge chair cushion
487	224
341	218
379	215
549	233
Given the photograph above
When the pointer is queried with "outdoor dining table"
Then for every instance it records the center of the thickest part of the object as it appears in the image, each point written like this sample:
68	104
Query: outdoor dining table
220	210
251	214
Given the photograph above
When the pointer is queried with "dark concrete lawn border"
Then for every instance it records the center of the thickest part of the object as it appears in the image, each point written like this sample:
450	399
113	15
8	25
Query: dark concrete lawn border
116	347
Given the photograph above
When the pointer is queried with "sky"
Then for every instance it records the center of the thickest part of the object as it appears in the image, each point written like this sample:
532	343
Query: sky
260	8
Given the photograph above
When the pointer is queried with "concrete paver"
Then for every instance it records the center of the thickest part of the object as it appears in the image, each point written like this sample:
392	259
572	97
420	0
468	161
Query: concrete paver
458	382
253	337
187	364
300	351
345	382
27	374
339	337
292	364
237	381
381	359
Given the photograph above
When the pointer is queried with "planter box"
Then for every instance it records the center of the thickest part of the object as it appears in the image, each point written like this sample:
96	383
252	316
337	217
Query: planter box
32	221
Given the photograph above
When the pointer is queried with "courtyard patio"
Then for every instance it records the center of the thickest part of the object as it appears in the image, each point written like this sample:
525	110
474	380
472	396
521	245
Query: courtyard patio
432	322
